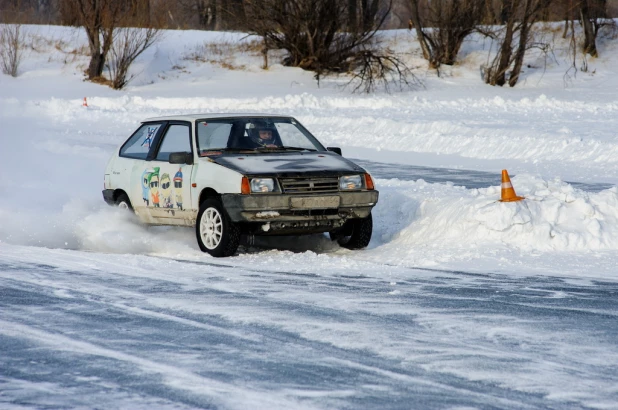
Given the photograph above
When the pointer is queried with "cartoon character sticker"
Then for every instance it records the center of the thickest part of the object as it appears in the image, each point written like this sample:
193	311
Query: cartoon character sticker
146	186
158	191
153	182
166	191
150	133
178	188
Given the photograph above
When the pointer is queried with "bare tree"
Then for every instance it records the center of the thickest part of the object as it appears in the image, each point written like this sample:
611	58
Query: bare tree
515	36
593	16
128	44
590	46
212	14
26	11
444	25
98	18
352	15
12	42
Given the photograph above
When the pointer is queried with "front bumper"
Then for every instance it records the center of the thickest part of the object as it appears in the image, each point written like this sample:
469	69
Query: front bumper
299	208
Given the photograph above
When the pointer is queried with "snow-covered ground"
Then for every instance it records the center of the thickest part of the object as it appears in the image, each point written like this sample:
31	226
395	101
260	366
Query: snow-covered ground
553	127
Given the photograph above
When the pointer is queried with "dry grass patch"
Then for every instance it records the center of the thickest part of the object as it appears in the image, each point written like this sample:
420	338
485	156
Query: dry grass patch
223	54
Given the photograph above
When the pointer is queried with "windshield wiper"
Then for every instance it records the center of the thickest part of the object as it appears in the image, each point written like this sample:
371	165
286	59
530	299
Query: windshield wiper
218	150
299	148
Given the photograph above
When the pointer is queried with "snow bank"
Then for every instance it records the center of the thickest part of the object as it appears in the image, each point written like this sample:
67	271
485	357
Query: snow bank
414	223
416	216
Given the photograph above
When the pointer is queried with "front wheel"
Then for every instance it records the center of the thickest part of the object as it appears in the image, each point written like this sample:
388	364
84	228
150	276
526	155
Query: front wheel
216	233
354	234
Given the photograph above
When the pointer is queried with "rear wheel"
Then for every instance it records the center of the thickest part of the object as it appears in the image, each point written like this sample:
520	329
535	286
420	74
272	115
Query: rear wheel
354	234
122	202
216	233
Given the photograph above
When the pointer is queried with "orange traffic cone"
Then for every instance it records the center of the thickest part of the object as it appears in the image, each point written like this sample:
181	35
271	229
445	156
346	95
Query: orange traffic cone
508	193
85	103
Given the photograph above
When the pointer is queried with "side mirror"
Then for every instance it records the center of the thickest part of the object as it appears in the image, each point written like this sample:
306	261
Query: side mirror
181	158
336	150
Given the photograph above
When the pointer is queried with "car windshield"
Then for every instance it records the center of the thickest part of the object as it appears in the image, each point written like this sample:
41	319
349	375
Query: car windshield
254	134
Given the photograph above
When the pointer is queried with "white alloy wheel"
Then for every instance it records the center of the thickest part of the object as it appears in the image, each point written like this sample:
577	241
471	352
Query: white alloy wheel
211	228
123	205
216	233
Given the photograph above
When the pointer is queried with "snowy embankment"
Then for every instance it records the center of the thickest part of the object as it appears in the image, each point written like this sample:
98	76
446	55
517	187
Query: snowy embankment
558	135
553	217
541	131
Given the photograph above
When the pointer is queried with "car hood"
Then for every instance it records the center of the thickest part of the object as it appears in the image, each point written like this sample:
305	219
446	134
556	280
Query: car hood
288	163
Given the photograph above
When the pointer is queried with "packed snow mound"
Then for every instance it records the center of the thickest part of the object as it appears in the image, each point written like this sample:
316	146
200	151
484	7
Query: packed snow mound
555	216
414	222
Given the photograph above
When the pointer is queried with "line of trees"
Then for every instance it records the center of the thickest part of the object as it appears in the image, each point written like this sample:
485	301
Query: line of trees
230	14
324	36
442	25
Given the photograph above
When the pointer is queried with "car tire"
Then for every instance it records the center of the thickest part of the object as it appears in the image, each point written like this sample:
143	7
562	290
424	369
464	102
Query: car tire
123	202
354	234
216	233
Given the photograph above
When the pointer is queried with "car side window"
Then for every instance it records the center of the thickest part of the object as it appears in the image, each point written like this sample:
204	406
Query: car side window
177	138
138	145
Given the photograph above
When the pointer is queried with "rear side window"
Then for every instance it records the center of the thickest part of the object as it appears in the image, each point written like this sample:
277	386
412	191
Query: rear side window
138	145
177	139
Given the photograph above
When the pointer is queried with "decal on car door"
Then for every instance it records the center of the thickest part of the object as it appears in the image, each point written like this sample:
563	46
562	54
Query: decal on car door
178	188
163	195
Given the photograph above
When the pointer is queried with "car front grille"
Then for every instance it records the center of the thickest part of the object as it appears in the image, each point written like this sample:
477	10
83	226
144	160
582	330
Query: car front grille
309	185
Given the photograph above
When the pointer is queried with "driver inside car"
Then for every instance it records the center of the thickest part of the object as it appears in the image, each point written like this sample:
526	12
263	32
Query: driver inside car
264	137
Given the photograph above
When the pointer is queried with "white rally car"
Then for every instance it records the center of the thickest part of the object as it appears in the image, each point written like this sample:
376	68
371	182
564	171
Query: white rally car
229	175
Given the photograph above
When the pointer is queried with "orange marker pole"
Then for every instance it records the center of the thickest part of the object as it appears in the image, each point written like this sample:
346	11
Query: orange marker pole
508	192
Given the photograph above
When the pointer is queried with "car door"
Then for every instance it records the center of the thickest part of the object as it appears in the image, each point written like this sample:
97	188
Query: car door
169	187
133	158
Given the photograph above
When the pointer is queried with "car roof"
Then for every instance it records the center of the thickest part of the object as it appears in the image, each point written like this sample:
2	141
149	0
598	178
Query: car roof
194	117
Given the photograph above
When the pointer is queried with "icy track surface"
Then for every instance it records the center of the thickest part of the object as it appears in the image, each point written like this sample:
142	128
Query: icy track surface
82	330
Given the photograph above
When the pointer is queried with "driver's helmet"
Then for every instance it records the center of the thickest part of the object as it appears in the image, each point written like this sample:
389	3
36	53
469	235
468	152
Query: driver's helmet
262	133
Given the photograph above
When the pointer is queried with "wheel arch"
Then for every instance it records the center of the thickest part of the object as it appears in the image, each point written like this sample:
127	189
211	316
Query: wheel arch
118	192
207	193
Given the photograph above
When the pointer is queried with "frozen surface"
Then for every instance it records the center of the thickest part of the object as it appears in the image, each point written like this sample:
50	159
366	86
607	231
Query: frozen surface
459	301
282	330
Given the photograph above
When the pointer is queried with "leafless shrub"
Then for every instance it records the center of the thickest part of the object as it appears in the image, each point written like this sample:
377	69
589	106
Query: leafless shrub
382	68
313	32
326	36
606	29
12	43
443	25
128	44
